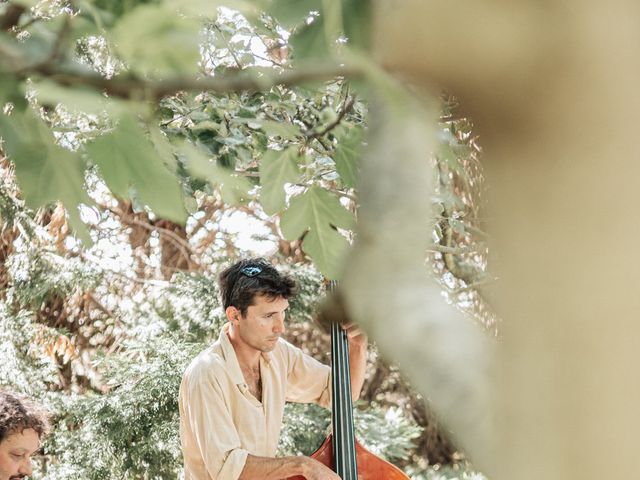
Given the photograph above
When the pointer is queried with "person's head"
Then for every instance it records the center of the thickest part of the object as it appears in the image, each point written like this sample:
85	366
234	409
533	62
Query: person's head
245	280
255	297
22	426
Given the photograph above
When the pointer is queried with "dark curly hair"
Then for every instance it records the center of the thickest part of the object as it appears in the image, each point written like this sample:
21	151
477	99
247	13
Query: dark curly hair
18	413
242	281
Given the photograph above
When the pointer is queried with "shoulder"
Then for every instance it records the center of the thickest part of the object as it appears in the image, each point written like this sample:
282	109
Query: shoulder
208	364
284	354
285	350
292	357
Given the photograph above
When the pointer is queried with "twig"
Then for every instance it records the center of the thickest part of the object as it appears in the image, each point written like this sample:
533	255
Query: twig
332	190
229	47
453	250
181	116
474	286
345	109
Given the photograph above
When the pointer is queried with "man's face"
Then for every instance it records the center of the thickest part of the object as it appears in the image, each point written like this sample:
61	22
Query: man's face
263	323
15	454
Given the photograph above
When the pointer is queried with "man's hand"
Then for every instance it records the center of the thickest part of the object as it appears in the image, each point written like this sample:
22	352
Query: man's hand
314	470
266	468
357	357
357	338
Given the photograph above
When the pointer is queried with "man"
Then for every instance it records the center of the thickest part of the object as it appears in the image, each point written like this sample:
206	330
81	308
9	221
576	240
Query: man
22	425
233	394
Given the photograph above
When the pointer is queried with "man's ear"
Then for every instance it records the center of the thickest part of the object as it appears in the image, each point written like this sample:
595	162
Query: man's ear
233	314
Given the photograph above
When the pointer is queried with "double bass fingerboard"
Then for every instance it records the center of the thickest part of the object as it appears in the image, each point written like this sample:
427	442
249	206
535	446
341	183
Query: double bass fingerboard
344	447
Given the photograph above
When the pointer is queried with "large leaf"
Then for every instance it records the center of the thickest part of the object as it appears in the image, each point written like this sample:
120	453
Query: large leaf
11	90
317	213
293	12
276	169
284	130
209	8
347	156
154	39
77	99
337	18
310	41
127	159
46	172
356	15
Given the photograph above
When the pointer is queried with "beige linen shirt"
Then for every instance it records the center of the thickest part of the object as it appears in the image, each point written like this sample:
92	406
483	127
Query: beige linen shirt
221	422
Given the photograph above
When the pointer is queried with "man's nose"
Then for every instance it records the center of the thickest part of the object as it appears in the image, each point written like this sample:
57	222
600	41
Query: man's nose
278	326
25	467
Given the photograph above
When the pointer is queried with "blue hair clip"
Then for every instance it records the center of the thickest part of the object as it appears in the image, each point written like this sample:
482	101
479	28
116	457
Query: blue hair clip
251	270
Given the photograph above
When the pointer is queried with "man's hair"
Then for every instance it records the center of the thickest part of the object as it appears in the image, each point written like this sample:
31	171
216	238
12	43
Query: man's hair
18	413
244	280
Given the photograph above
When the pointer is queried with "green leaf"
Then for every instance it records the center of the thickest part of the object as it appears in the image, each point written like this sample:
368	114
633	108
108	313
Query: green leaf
164	148
206	125
349	18
127	159
154	39
46	172
318	213
276	169
234	189
309	41
26	3
11	90
284	130
209	8
356	15
293	12
84	25
347	156
76	99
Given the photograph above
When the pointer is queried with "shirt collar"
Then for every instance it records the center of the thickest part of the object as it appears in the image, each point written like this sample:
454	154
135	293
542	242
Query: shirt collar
230	355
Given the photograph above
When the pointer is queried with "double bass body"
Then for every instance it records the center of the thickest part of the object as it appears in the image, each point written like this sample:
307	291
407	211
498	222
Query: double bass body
370	466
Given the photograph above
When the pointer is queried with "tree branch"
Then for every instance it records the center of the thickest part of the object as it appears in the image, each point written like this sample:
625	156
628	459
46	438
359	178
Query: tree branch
11	16
133	87
182	245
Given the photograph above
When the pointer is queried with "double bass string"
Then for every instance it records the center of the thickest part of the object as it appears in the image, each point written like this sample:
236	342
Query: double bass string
344	434
348	409
336	416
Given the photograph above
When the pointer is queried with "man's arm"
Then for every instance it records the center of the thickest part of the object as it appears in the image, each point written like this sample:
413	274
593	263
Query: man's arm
357	358
265	468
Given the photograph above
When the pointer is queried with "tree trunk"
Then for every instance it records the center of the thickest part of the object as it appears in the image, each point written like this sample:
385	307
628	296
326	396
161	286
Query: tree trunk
552	89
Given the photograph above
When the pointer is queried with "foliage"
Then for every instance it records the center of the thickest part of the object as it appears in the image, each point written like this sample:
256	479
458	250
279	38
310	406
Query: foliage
39	275
122	420
384	432
131	430
158	124
296	129
22	366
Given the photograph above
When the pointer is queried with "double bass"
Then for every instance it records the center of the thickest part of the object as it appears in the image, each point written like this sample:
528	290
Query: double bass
340	451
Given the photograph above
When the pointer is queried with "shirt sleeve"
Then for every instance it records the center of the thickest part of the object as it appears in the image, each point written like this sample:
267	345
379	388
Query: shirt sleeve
308	380
207	430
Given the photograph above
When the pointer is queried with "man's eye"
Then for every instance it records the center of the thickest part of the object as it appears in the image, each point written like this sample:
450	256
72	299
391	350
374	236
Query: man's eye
15	455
